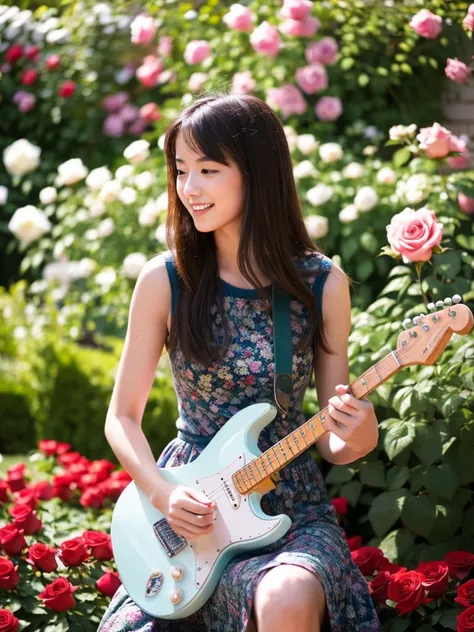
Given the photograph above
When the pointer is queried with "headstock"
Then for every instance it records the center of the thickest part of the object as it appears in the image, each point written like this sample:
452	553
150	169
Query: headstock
424	342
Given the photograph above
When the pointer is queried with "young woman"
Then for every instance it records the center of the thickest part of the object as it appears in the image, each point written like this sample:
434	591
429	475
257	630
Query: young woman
236	227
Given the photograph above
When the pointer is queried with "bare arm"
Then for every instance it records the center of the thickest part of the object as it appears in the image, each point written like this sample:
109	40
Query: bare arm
144	342
332	370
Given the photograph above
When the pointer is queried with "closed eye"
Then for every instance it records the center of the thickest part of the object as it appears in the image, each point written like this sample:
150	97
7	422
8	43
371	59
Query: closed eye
181	173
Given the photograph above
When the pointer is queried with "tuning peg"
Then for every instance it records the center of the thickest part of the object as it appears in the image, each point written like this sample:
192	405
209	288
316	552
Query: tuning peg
457	298
407	323
431	307
448	301
416	320
439	303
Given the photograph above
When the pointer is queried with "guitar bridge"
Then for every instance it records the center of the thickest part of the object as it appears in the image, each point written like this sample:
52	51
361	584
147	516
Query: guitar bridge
170	540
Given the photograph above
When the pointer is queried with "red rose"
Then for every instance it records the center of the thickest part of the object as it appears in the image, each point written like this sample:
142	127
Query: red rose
459	563
14	53
25	518
101	465
386	565
465	620
68	458
354	543
32	52
8	621
67	89
64	486
109	583
42	490
42	556
74	552
99	543
368	559
4	487
48	446
26	496
15	477
9	577
53	61
12	539
150	112
112	488
465	594
406	588
29	76
378	586
341	505
436	577
92	498
121	475
58	595
87	480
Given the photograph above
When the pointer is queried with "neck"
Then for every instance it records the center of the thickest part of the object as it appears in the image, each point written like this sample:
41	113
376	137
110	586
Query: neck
279	455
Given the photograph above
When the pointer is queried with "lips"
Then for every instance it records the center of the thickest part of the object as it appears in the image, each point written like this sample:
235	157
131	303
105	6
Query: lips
201	207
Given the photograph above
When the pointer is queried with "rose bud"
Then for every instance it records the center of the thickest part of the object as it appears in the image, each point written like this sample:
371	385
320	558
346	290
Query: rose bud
109	583
43	557
99	543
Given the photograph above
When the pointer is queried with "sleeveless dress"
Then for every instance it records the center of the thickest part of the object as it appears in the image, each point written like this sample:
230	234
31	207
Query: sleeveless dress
207	397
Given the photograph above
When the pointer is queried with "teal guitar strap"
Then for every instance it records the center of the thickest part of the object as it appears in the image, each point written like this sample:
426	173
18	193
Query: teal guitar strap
283	350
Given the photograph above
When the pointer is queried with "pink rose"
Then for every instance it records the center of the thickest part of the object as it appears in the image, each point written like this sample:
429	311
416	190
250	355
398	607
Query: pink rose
197	80
149	72
435	141
427	24
129	113
239	18
413	234
265	40
465	203
243	82
29	76
457	70
196	52
137	127
53	61
32	52
323	51
288	99
459	144
143	29
113	126
312	78
116	101
24	100
328	108
468	21
296	9
165	46
150	112
300	28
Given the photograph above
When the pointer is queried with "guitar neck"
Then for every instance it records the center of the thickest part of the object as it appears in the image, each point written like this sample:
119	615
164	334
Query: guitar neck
279	455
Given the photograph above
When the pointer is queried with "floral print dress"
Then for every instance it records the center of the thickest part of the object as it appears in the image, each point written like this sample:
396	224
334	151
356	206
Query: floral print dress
207	397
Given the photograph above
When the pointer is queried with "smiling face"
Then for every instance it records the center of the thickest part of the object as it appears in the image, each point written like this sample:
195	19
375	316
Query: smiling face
201	181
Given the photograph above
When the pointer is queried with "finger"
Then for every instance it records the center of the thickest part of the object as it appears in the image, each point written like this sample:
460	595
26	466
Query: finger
199	497
336	428
192	530
195	506
337	403
200	520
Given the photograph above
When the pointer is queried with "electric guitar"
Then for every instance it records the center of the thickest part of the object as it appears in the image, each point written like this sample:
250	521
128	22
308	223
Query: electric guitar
171	578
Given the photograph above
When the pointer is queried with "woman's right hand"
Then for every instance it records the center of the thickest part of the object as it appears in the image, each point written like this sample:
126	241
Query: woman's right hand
189	512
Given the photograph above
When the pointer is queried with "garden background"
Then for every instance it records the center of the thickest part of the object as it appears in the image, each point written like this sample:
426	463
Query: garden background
377	103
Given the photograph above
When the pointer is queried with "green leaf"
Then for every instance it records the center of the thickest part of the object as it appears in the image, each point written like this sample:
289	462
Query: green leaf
441	480
399	284
397	543
419	514
398	437
340	474
347	63
397	476
364	269
448	264
369	242
448	520
352	492
386	510
400	157
363	80
427	444
371	473
468	522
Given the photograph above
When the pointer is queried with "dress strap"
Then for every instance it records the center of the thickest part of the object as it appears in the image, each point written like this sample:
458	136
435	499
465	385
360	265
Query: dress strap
319	282
174	281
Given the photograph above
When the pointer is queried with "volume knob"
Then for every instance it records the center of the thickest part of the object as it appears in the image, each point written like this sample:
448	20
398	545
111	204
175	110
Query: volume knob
175	596
177	573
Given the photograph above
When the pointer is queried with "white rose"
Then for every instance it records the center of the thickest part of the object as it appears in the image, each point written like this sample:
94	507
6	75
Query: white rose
133	263
98	177
91	234
161	142
106	227
306	143
125	172
386	175
330	152
28	223
110	191
86	267
365	199
399	132
291	137
58	271
106	277
58	250
148	214
20	333
417	188
317	226
48	195
348	214
319	194
137	152
3	195
144	180
304	169
353	171
21	157
160	233
72	171
96	207
162	202
335	176
128	195
81	215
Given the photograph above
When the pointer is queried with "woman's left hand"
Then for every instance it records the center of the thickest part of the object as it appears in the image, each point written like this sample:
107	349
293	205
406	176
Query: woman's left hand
353	420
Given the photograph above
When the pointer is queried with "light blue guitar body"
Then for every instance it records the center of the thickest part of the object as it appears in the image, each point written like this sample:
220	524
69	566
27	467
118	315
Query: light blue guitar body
168	577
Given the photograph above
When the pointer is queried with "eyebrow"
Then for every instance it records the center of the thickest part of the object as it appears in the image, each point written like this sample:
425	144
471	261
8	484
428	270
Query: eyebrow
201	159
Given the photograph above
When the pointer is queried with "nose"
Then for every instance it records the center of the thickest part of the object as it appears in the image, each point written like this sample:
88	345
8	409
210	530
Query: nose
192	187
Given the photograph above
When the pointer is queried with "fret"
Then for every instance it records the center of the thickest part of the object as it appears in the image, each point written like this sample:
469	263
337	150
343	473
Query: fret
275	454
262	463
269	461
245	476
289	445
311	428
256	463
303	434
293	444
249	469
280	445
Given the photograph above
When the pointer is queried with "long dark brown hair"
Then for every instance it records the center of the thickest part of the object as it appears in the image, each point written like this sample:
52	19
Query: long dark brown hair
272	230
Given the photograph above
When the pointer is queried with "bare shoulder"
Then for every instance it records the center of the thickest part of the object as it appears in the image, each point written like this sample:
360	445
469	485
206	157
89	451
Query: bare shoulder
153	290
336	282
337	301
